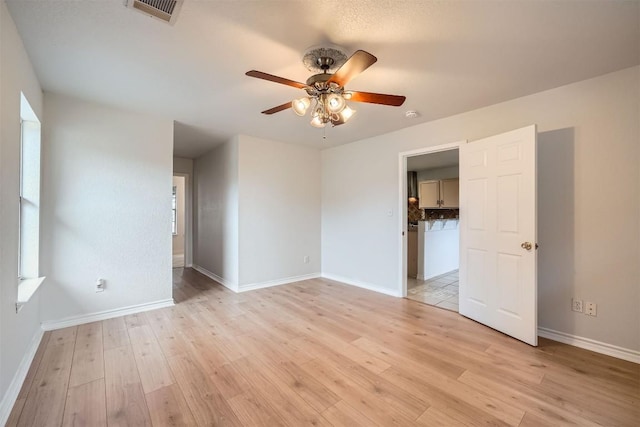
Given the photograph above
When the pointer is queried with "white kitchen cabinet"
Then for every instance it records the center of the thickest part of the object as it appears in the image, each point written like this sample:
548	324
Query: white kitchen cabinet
436	194
449	193
429	194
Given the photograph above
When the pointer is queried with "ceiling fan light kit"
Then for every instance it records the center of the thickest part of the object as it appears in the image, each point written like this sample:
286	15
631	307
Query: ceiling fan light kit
327	97
300	106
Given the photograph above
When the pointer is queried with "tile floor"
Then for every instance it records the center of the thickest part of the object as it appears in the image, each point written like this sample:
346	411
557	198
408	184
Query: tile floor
441	291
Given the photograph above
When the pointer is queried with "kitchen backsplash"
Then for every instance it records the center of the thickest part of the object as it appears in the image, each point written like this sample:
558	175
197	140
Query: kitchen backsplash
414	213
441	213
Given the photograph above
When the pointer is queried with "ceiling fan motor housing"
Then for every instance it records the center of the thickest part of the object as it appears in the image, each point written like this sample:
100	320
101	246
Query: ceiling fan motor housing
324	62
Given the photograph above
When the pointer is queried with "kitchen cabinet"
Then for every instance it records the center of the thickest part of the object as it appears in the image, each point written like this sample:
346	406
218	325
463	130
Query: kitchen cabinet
428	194
443	193
449	193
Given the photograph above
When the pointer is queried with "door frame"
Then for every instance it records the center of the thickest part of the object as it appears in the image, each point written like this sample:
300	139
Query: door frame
188	219
402	204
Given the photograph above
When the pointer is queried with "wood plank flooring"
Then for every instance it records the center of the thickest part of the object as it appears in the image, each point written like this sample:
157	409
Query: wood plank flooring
314	353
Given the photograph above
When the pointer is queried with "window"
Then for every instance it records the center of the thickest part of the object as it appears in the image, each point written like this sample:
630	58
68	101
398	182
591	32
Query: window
28	204
174	211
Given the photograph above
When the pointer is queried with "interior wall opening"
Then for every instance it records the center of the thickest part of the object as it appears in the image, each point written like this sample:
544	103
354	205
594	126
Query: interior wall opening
433	238
178	221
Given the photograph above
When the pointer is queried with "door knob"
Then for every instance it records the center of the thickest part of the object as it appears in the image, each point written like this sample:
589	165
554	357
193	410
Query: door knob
526	245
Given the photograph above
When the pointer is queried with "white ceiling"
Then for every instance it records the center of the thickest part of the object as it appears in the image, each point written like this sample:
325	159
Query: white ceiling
440	159
447	57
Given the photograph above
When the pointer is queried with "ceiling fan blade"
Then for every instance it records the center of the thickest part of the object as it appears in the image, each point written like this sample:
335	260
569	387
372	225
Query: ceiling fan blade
357	63
278	108
377	98
272	78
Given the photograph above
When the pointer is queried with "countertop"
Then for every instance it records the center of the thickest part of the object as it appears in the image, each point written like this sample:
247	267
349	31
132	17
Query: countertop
438	224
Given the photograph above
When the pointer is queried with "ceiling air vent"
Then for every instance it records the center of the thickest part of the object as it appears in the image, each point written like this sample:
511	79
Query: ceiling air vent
165	10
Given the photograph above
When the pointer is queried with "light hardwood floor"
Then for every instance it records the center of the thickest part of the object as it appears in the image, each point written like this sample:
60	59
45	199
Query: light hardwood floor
314	353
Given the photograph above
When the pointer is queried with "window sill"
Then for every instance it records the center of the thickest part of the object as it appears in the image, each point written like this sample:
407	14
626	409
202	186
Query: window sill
26	289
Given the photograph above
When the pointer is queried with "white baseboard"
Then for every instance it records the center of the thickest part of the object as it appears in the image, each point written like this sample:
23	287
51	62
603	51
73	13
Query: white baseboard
251	286
589	344
214	276
11	395
277	282
50	325
364	285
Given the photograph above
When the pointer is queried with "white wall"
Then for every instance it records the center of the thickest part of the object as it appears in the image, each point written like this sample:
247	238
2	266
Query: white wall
257	212
182	165
17	331
279	211
106	207
215	231
589	186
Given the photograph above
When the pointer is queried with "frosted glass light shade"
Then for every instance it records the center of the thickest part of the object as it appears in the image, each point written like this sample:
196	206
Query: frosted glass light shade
335	103
300	106
346	113
317	122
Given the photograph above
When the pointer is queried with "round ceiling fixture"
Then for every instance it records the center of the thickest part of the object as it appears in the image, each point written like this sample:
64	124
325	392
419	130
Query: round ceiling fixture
324	58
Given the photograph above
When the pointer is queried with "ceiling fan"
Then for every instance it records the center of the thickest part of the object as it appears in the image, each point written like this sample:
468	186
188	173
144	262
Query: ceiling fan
327	97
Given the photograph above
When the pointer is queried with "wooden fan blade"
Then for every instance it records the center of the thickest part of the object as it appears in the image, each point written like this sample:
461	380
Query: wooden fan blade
357	63
377	98
278	108
272	78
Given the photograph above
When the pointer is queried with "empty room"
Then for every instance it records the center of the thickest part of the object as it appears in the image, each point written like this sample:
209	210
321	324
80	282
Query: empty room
336	213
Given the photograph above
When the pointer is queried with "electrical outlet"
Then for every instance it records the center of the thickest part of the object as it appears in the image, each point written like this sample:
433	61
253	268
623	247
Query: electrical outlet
100	285
591	308
576	305
306	259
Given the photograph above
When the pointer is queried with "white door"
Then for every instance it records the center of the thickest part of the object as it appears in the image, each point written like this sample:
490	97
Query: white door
498	285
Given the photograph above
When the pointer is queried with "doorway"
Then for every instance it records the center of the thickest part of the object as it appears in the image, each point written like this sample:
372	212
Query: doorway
432	221
178	221
498	230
